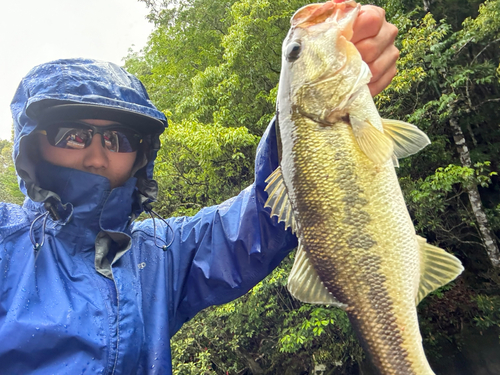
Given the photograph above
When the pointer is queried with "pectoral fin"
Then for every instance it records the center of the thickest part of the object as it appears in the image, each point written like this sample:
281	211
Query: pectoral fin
437	268
278	200
305	284
407	138
358	87
374	143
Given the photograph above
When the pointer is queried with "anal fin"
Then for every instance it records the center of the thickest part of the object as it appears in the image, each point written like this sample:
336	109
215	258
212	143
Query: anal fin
437	268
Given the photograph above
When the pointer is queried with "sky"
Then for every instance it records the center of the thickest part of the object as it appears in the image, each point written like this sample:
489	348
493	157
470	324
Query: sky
37	31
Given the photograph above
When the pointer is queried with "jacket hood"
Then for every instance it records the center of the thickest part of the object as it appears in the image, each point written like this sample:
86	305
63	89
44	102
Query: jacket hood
91	89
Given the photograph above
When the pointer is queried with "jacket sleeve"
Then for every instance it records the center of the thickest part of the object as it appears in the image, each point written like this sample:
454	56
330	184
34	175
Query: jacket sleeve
223	251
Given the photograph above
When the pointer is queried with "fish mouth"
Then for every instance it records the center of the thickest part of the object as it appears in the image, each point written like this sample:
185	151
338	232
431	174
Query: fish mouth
343	13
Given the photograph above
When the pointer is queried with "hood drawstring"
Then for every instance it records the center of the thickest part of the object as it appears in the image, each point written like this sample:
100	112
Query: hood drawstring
50	211
150	211
38	245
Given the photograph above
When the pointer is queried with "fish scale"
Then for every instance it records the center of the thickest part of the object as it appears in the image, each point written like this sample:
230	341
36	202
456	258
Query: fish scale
336	187
356	239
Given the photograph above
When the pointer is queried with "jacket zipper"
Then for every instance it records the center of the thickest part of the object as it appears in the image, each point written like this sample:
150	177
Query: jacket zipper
116	300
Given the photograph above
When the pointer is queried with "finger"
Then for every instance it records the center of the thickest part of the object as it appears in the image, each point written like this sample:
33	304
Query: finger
368	24
383	69
383	63
371	48
378	86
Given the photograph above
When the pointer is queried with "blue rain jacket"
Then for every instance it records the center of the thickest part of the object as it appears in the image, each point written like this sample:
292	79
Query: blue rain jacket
99	296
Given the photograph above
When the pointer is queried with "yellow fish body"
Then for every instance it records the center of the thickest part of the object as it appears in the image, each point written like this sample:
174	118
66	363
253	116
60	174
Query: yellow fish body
338	190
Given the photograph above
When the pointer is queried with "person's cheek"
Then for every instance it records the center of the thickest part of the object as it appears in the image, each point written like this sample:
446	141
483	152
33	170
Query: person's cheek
122	165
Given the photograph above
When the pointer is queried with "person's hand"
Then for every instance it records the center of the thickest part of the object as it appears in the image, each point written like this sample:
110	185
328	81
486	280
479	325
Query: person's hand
374	38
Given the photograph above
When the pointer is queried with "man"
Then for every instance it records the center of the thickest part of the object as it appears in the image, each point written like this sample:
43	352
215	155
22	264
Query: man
84	288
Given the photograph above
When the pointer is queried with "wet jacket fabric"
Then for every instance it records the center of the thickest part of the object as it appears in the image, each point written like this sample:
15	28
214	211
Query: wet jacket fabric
66	308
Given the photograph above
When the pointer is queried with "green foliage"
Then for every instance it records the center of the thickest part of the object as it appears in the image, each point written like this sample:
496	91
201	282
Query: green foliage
214	61
209	66
186	41
489	308
446	74
266	331
452	10
9	189
314	323
213	67
438	203
446	71
225	92
202	165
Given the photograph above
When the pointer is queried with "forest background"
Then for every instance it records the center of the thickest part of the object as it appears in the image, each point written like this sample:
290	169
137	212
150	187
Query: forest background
213	67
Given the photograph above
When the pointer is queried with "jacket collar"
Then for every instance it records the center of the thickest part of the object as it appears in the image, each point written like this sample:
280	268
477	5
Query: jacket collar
79	200
85	199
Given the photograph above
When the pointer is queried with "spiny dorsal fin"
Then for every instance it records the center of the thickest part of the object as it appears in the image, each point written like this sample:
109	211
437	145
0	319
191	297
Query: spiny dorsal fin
278	200
437	268
407	138
305	284
376	145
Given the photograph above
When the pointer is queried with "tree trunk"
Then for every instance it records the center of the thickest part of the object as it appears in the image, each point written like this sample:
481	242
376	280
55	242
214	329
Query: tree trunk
427	5
489	241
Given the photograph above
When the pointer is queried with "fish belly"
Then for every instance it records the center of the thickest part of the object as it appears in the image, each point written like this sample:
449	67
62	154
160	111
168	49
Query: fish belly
355	227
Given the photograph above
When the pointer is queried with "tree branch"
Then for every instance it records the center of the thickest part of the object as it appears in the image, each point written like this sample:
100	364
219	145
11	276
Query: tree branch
484	49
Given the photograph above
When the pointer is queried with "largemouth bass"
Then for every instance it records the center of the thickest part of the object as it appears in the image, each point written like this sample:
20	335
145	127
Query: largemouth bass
337	189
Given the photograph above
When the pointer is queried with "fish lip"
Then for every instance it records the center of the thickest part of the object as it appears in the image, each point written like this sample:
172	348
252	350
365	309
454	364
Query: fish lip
343	13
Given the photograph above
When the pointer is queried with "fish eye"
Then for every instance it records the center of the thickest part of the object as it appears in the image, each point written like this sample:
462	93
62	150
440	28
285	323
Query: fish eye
293	51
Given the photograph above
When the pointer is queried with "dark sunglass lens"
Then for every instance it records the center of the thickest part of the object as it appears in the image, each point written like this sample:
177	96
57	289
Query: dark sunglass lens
122	140
111	140
77	135
71	138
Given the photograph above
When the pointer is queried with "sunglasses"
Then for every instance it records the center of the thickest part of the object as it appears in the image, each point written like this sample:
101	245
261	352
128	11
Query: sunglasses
77	135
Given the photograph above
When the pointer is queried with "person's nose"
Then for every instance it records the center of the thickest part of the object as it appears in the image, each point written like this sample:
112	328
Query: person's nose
95	155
